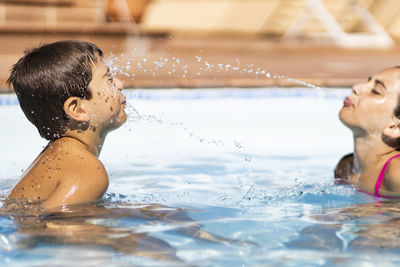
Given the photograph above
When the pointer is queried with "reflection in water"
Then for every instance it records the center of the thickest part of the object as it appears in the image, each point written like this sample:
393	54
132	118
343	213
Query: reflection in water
96	224
371	226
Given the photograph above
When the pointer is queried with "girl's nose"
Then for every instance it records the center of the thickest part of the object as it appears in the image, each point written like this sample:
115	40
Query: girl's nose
356	89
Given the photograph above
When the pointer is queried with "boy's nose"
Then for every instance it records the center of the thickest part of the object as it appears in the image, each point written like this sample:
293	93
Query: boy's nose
118	84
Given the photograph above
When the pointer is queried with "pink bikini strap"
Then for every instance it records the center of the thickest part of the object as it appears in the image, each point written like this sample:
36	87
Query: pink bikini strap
382	175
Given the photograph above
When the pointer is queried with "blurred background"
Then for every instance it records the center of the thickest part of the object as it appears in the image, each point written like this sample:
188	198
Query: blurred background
215	43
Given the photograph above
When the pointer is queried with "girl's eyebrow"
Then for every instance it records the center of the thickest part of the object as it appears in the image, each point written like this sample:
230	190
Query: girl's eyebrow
380	82
377	81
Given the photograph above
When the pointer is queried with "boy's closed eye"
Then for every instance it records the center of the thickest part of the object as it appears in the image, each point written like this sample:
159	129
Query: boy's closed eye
108	75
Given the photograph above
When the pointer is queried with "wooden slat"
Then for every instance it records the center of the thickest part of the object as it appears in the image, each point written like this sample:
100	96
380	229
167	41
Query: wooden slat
84	11
282	17
39	2
242	16
177	15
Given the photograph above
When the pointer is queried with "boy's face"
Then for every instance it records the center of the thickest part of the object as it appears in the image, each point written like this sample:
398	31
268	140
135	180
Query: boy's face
107	104
371	105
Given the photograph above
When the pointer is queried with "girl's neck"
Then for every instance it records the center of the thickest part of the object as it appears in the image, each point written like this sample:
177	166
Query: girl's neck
369	150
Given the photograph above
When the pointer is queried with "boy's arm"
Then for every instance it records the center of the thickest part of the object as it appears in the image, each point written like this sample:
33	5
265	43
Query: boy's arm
344	169
80	185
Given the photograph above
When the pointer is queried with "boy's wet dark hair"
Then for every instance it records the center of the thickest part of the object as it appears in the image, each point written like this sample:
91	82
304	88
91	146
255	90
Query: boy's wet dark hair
46	76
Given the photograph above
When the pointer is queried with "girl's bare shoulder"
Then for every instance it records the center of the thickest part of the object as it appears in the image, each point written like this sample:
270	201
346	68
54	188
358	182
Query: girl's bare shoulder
392	176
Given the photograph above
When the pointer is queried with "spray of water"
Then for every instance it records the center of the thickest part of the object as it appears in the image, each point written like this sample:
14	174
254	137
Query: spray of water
175	66
135	117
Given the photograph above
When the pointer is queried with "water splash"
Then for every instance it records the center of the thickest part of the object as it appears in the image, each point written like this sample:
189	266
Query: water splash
135	117
194	68
176	66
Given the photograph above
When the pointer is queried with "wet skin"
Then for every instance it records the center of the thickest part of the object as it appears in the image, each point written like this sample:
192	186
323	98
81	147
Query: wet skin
369	112
68	170
368	226
76	224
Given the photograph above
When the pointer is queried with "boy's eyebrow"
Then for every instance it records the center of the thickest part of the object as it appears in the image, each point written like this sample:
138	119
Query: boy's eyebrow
107	72
380	82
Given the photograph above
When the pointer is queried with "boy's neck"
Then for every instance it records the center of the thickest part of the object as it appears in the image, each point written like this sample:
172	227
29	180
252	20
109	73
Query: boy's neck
369	150
93	141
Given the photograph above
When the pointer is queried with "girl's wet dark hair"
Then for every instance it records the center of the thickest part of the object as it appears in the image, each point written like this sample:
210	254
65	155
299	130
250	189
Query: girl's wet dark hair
46	76
392	141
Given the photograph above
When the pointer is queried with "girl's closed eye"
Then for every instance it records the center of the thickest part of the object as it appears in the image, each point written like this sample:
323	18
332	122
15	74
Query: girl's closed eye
375	92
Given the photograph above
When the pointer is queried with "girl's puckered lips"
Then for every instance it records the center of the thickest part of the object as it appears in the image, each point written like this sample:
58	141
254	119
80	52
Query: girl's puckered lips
347	102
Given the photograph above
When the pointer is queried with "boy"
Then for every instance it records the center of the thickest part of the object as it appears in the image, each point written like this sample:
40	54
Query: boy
68	93
372	113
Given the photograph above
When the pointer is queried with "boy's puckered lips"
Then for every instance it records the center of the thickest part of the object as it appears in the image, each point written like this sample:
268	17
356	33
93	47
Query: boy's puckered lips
347	102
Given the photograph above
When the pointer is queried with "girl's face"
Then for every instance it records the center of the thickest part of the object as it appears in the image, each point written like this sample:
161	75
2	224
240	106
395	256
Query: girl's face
371	105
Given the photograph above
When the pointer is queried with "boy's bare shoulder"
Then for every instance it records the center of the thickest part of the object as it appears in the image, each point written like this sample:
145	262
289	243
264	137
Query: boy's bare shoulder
77	162
82	176
344	169
60	167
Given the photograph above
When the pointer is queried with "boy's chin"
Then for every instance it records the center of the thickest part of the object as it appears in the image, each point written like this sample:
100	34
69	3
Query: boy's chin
117	122
121	119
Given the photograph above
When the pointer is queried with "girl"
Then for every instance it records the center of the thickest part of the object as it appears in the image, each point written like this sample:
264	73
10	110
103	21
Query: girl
372	113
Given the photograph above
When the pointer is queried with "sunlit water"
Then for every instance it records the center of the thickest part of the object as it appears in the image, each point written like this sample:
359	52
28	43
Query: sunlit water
210	178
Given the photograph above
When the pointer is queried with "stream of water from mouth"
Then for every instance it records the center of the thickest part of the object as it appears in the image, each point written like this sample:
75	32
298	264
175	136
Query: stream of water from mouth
136	117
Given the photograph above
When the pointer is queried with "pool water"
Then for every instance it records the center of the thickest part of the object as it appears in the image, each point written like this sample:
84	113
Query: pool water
227	177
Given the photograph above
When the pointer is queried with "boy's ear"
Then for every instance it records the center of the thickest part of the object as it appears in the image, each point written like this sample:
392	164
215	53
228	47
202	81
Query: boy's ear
393	129
74	109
